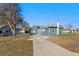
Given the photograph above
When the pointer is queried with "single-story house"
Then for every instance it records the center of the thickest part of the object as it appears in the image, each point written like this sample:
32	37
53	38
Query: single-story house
67	31
47	30
5	31
21	28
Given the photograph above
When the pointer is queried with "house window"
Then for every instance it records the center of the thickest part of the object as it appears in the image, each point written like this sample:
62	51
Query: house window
43	30
53	30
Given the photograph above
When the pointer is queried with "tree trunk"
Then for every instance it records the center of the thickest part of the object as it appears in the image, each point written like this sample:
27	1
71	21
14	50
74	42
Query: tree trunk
13	30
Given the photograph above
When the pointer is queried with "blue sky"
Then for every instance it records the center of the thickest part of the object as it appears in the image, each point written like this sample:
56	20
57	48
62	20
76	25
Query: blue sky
44	13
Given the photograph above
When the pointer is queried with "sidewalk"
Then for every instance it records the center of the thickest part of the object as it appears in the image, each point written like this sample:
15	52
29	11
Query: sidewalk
43	47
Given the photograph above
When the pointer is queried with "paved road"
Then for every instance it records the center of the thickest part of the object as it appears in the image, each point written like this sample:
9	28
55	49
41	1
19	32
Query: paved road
43	47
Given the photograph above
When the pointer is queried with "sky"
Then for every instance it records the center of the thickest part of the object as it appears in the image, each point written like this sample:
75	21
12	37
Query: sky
45	13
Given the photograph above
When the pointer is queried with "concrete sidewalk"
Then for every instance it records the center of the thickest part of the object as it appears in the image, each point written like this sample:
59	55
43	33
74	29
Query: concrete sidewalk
43	47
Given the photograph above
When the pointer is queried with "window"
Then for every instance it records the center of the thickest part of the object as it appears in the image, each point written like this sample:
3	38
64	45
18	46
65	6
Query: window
43	30
52	30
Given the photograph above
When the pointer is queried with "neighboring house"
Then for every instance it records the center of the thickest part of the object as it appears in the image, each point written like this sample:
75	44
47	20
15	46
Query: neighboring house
77	30
22	28
5	31
47	30
67	31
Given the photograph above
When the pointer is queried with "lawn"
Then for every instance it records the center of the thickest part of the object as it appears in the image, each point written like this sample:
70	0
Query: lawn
16	46
68	41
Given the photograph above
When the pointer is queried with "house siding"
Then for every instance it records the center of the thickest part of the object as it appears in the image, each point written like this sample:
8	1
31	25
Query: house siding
5	31
52	31
46	30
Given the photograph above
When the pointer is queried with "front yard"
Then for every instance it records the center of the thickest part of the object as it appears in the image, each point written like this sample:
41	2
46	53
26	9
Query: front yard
68	41
19	46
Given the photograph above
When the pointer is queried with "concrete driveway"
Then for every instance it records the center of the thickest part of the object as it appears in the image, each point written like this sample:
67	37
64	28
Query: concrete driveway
43	47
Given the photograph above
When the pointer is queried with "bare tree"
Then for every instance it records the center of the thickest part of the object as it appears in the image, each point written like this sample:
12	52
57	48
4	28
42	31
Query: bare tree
10	13
70	28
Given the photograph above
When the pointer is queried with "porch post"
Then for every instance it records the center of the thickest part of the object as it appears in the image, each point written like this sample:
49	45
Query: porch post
57	28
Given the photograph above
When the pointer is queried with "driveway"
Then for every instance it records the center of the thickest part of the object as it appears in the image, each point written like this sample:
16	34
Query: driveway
43	47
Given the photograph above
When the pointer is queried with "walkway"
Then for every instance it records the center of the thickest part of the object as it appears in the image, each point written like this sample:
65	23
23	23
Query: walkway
43	47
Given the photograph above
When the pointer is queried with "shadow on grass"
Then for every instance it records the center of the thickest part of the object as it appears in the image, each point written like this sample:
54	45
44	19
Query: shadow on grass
19	46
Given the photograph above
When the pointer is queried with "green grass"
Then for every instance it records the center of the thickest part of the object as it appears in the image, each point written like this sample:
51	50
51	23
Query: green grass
68	41
15	47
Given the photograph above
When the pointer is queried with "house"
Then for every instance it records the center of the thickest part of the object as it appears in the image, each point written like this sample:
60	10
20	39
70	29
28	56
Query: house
73	30
21	28
66	31
77	30
5	31
51	29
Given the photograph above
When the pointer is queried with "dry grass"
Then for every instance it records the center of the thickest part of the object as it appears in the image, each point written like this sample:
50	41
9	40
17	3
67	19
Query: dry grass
16	46
68	41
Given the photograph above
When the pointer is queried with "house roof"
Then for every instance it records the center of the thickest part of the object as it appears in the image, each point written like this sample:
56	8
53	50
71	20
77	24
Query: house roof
47	26
54	25
22	25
